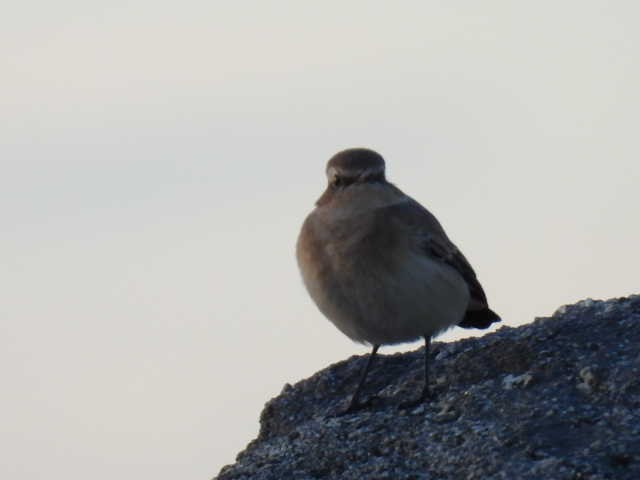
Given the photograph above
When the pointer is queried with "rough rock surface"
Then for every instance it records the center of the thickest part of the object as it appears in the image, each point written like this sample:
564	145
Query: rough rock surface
556	399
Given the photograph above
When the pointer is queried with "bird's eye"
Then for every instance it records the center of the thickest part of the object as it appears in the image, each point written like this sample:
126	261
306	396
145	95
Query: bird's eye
337	182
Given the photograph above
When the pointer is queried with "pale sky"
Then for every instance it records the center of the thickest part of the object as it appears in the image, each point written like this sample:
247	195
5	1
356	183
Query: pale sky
158	159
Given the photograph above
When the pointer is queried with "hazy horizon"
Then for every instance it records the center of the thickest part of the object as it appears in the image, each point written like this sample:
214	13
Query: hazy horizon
158	161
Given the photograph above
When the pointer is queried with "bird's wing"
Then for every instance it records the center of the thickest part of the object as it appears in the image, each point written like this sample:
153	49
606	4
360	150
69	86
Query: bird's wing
431	239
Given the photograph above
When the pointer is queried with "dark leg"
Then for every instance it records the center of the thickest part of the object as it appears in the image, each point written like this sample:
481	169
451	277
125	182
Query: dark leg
355	404
426	393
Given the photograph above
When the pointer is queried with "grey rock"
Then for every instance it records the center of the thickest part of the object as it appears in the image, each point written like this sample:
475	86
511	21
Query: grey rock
511	381
556	399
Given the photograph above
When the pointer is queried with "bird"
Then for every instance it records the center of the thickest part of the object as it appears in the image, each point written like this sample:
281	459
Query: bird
380	266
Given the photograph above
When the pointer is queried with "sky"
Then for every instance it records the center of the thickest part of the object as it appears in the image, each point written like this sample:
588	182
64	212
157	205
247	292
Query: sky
157	160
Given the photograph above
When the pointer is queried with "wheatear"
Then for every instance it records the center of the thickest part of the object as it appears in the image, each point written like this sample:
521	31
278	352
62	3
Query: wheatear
380	266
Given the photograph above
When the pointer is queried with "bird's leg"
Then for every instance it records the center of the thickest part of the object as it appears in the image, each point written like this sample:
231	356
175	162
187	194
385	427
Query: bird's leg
355	405
426	392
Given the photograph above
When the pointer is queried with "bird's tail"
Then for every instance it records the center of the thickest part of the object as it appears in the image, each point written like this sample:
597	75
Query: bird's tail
479	318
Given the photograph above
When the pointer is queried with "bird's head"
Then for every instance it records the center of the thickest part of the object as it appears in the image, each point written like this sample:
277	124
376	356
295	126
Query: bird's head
354	166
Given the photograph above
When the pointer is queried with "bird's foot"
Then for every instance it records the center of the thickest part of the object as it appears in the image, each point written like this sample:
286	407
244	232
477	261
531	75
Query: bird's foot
426	396
357	406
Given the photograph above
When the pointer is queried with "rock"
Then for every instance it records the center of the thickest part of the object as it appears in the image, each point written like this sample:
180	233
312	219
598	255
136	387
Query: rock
511	381
558	398
589	380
